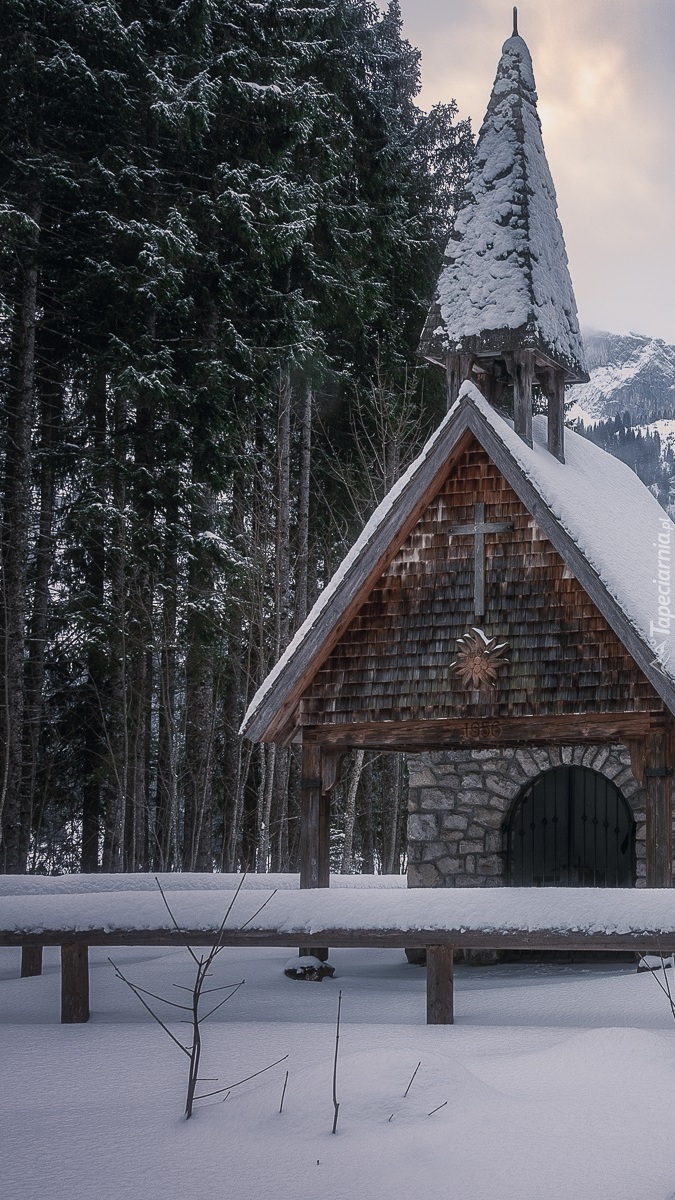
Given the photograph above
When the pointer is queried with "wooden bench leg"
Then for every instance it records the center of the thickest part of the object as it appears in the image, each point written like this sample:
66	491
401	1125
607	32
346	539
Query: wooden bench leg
31	961
314	832
440	1007
74	983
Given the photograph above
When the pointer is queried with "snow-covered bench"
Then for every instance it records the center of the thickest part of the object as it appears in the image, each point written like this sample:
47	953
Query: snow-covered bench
438	920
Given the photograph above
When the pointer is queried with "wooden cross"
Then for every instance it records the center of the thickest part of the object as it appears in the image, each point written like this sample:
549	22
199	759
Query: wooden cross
479	528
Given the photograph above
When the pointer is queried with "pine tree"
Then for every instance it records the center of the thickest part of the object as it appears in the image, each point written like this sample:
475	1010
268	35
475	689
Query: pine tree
222	225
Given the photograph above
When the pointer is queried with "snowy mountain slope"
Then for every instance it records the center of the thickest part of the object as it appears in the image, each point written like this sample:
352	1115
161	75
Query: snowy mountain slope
665	429
628	407
629	373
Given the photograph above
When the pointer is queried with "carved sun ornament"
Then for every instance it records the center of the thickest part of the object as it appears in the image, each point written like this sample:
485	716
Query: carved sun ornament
479	659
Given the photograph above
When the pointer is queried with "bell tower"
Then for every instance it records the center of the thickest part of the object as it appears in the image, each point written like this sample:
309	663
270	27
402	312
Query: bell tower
504	312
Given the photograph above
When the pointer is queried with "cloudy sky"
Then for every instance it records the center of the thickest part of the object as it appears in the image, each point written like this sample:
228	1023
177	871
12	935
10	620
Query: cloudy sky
605	72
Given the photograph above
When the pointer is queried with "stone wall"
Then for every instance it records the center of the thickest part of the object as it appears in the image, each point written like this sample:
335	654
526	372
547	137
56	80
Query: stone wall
459	802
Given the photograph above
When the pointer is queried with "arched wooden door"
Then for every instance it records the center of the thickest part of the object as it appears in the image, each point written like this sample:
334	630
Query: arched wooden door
570	827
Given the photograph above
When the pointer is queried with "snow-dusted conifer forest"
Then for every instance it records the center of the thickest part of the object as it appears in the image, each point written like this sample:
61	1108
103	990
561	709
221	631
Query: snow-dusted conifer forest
221	225
221	228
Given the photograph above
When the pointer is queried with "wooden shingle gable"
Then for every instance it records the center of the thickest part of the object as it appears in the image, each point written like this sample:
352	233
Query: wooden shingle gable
637	646
274	705
400	658
273	714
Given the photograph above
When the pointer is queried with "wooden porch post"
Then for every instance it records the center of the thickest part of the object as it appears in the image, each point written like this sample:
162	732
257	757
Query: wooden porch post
314	830
659	789
74	983
440	1001
310	818
324	841
31	961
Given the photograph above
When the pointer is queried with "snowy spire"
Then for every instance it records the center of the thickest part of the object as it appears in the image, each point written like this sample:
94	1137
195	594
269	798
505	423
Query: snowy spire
505	284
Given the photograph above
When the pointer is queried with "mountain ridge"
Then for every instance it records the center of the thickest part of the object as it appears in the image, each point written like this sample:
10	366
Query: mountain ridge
631	373
628	407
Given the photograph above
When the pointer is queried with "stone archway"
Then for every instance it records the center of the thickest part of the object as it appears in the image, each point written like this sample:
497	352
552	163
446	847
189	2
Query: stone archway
570	827
459	801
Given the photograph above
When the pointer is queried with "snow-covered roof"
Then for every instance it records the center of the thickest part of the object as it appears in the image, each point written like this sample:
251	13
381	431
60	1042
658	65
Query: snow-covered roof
616	522
593	504
505	281
339	580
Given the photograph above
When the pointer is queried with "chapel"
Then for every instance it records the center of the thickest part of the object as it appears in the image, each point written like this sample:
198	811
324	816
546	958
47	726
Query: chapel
504	617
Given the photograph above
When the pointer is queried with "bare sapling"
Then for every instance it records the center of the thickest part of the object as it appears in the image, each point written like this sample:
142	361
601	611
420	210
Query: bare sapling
336	1105
196	994
665	986
412	1079
437	1108
283	1093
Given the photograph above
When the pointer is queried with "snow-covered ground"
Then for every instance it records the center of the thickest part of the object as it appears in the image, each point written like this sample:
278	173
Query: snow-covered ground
556	1082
